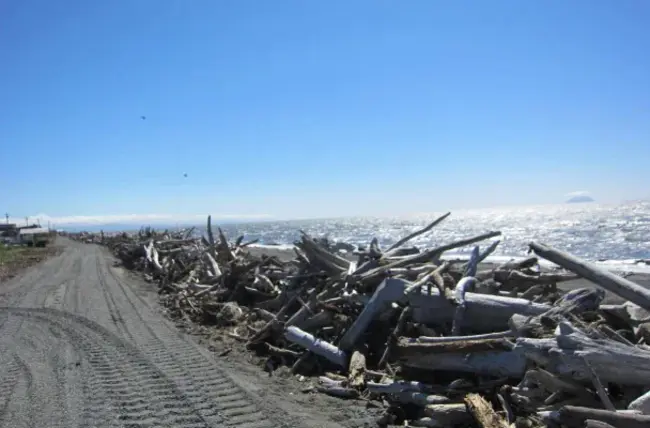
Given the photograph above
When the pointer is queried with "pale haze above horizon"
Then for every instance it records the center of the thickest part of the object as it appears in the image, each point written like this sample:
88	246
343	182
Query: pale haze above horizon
159	111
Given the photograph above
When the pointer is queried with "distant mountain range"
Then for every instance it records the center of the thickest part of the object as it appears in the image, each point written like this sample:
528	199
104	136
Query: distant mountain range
578	199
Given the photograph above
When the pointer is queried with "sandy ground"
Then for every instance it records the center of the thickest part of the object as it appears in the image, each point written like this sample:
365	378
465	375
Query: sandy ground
84	344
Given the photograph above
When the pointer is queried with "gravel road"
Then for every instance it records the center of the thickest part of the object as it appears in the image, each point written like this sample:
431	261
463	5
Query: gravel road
82	345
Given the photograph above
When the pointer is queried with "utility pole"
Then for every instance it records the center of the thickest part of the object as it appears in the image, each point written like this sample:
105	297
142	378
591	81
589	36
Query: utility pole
7	218
26	221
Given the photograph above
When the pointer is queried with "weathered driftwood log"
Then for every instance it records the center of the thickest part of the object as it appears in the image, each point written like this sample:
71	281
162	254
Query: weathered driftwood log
572	303
526	326
484	357
575	416
415	234
483	313
407	347
398	387
389	291
591	423
631	314
318	321
357	370
521	281
622	287
335	388
315	345
335	263
426	256
419	398
470	268
464	285
444	415
641	404
551	383
483	413
448	339
600	389
508	266
565	354
303	314
488	363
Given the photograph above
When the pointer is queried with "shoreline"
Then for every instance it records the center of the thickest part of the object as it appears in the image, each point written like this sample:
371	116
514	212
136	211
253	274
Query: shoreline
298	314
622	265
286	254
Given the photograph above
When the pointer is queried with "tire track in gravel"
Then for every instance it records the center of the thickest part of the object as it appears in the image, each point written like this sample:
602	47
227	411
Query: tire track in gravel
18	286
113	310
37	294
204	384
101	355
126	389
55	295
16	388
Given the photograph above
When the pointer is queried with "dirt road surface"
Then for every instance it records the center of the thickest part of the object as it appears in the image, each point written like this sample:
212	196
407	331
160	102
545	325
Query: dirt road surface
82	345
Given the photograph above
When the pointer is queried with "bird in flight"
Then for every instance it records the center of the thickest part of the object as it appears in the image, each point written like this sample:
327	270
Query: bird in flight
143	117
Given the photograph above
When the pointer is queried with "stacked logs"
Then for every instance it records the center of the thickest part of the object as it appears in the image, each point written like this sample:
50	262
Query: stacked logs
434	342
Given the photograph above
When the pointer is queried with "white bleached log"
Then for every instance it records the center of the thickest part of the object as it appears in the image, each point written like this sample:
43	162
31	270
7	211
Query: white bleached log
419	398
444	416
465	284
641	404
449	339
483	312
565	355
575	416
317	346
620	286
216	271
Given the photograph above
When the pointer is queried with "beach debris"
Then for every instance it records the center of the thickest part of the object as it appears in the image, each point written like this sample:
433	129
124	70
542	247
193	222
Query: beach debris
433	341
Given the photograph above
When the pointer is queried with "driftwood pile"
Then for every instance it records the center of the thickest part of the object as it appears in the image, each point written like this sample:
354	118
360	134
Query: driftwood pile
435	343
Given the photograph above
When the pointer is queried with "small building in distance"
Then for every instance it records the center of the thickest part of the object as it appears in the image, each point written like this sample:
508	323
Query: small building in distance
8	233
34	236
6	228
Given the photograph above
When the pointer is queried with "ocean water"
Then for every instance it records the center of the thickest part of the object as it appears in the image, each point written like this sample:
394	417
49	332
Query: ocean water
616	233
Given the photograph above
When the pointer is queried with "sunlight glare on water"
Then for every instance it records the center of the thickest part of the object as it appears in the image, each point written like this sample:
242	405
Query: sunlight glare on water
592	231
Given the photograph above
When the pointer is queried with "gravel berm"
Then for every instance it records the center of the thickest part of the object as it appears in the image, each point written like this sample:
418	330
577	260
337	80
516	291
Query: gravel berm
82	344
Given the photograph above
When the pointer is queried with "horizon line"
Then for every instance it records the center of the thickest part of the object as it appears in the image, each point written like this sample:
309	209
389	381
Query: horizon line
141	220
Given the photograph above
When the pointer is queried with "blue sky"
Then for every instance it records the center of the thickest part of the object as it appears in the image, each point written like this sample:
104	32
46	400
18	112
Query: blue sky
297	109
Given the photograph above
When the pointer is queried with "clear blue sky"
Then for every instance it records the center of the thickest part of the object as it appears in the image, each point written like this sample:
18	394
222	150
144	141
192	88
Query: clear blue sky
319	108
